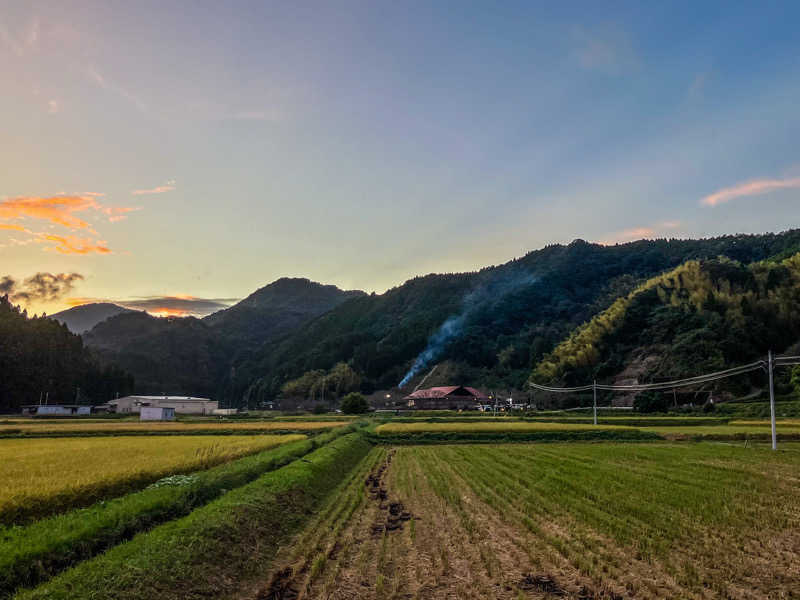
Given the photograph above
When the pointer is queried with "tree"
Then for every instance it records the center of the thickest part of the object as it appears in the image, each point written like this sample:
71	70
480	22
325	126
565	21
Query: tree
354	404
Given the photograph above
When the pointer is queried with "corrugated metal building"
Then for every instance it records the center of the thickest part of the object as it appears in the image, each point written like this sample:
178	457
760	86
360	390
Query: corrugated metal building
59	410
452	397
156	413
183	405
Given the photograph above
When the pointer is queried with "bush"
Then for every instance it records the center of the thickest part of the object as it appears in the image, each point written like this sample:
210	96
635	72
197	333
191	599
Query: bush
354	404
320	409
649	402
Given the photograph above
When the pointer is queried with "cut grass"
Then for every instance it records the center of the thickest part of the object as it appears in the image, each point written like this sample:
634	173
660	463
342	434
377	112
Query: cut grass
32	554
208	552
45	476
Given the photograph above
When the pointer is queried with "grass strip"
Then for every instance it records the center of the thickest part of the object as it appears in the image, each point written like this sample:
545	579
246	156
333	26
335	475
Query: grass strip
209	551
32	554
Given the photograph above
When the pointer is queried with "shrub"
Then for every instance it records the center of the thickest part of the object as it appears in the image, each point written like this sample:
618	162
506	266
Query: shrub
354	404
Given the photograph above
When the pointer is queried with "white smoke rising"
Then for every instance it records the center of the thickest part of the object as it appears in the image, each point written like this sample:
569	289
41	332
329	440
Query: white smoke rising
486	293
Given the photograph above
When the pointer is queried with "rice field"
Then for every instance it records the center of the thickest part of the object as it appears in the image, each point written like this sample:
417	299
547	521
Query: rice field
585	521
173	427
54	474
491	427
676	430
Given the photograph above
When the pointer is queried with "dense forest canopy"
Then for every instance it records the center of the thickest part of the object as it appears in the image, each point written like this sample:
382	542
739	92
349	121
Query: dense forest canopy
701	317
40	357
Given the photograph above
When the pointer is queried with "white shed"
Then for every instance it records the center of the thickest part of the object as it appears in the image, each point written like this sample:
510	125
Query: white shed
157	413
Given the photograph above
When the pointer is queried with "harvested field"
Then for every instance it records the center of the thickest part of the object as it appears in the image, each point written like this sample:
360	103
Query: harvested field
170	428
558	520
56	474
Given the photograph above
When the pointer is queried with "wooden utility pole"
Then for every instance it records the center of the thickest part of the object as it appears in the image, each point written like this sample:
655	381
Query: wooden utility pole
772	402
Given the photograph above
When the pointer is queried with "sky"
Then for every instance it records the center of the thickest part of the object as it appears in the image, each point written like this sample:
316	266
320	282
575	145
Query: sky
175	156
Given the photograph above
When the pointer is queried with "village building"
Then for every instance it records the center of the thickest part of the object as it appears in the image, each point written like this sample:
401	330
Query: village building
453	397
183	405
156	413
56	410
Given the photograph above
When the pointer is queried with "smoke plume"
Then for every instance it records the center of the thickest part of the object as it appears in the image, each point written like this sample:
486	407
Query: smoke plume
484	295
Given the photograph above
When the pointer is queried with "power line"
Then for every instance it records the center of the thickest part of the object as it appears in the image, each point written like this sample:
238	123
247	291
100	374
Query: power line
663	385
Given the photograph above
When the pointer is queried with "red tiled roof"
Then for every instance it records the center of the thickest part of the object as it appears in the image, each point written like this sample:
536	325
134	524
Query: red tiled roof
445	391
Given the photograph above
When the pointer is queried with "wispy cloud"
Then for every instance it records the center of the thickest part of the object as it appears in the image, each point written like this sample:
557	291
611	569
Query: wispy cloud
101	81
42	287
754	187
643	232
71	244
160	189
22	43
606	49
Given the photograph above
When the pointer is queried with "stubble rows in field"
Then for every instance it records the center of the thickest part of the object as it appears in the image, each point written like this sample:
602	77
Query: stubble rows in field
580	520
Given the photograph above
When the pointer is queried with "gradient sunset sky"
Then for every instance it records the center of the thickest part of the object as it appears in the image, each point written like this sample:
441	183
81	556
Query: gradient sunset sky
199	150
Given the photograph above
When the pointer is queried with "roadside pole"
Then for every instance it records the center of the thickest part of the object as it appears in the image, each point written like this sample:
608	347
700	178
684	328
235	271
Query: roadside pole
594	402
772	402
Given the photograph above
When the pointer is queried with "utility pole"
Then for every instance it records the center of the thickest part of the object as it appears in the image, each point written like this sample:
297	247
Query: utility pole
594	401
772	402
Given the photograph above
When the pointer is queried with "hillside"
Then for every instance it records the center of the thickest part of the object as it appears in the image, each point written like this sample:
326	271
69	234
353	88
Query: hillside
40	356
169	355
79	319
276	309
493	325
700	317
192	356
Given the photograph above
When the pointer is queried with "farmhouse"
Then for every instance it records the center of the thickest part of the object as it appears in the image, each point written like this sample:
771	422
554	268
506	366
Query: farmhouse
183	405
453	397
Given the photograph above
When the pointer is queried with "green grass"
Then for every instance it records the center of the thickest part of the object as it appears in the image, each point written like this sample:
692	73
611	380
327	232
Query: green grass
31	554
209	551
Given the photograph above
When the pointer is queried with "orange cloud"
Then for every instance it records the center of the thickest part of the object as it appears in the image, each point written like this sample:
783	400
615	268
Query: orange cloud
56	209
11	227
71	244
156	190
60	210
754	187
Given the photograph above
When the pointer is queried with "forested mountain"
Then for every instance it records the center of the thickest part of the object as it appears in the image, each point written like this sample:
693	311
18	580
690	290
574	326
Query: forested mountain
82	318
193	356
276	309
40	356
493	326
701	317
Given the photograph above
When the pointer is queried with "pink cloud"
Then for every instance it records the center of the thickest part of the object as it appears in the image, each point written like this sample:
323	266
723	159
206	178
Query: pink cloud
754	187
161	189
640	233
